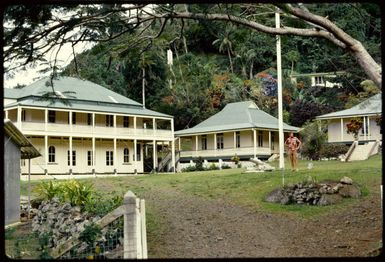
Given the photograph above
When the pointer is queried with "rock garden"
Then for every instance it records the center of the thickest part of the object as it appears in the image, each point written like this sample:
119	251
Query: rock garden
314	193
57	215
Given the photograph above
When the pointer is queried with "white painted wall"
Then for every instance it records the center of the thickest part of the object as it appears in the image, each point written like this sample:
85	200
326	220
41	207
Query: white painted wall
334	131
81	147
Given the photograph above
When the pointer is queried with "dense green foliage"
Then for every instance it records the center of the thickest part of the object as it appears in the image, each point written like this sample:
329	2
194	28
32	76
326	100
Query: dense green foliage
76	192
216	63
331	150
313	139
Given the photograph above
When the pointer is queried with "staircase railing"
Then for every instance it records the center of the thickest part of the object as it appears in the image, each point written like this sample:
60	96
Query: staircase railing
350	151
165	160
373	147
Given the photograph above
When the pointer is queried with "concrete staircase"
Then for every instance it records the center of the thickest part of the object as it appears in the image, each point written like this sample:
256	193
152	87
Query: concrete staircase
362	151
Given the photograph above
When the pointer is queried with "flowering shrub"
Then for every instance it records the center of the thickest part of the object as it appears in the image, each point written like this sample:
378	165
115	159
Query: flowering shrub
354	127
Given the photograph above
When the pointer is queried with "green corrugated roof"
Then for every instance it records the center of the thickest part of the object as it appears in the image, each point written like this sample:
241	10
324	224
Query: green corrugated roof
235	116
371	106
83	90
12	93
88	96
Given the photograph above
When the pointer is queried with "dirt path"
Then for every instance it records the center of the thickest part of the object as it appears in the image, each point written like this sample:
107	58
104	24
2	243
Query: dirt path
202	228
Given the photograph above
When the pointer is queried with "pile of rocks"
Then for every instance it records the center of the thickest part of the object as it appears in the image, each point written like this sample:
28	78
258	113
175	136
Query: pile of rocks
311	193
61	221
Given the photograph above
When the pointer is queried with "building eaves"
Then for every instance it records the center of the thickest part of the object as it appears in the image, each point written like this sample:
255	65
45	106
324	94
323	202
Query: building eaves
371	106
27	150
83	105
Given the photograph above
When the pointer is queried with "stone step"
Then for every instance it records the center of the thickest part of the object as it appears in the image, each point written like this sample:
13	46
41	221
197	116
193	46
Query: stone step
361	152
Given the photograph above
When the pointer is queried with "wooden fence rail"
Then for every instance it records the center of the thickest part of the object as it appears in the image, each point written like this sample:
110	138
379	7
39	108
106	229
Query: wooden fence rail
135	240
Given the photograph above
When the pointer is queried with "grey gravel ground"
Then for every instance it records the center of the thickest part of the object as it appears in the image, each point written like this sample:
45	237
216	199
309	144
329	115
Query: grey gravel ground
205	228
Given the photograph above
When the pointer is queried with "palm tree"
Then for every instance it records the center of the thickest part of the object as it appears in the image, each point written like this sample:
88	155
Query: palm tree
225	45
292	56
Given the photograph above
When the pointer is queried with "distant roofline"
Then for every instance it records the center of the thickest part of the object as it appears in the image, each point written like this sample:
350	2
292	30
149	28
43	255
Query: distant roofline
319	74
233	130
75	100
346	116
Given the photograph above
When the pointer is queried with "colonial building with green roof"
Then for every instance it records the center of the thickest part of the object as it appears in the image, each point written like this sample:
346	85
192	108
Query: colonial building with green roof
369	111
80	127
240	129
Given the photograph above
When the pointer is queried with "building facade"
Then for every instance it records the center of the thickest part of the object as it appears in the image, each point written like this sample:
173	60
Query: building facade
368	111
81	128
240	129
320	79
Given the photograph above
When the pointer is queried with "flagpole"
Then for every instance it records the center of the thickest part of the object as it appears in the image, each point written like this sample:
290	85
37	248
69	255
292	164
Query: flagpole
279	79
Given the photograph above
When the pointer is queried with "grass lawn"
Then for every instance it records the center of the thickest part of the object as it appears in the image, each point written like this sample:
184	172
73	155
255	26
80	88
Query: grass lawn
237	187
249	189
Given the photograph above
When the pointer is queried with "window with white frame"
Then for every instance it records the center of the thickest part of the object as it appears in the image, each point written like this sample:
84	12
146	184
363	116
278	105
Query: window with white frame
89	119
138	152
318	80
109	120
51	154
109	158
126	155
125	121
365	124
219	141
204	142
238	139
73	158
51	116
74	118
260	139
89	158
23	115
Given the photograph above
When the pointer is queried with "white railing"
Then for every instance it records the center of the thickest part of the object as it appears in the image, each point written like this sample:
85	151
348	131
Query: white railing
98	130
226	152
350	151
33	126
82	129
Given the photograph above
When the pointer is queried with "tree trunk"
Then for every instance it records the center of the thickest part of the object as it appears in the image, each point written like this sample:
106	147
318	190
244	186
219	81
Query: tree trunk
367	63
251	70
244	73
231	61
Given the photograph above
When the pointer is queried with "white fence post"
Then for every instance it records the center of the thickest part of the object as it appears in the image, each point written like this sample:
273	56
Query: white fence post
135	239
130	219
138	227
143	229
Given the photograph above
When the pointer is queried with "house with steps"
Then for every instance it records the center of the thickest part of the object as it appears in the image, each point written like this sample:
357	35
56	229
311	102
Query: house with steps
240	129
370	137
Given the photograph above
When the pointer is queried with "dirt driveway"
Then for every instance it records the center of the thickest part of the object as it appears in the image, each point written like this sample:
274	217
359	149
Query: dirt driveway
204	228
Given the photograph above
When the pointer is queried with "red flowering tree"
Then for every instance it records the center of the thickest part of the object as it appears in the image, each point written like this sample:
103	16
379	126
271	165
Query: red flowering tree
354	127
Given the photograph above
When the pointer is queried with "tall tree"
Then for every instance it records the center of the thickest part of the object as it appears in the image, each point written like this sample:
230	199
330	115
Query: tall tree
30	32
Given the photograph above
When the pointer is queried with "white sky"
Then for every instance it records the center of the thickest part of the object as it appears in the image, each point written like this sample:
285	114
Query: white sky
65	56
29	76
